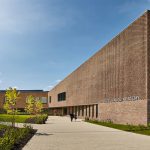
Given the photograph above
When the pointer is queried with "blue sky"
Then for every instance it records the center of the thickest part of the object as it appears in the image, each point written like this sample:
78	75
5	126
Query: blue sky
42	41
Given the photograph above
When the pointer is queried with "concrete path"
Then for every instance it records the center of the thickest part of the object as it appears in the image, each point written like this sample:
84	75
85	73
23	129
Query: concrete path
61	134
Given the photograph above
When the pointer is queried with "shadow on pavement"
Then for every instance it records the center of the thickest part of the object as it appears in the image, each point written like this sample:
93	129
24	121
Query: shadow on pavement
44	134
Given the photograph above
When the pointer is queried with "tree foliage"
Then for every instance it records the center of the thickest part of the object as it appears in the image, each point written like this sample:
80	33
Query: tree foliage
30	104
11	97
38	106
33	105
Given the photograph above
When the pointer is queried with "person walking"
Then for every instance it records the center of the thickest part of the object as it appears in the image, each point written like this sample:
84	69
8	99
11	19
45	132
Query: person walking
71	116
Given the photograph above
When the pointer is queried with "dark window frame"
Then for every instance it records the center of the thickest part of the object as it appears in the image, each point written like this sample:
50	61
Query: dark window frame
50	99
86	110
93	111
89	111
61	96
96	110
78	110
82	110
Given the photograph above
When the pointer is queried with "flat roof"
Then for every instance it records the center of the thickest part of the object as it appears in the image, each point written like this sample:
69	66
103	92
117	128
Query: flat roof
24	91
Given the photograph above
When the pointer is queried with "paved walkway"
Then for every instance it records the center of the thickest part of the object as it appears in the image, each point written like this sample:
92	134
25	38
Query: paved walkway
61	134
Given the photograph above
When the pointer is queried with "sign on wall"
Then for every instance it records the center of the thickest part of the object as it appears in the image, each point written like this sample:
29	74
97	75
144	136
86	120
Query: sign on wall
130	98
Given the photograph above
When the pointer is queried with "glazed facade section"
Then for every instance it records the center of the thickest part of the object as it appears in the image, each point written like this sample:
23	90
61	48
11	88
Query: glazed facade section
112	84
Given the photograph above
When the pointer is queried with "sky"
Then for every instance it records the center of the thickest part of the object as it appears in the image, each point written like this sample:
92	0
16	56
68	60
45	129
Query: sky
43	41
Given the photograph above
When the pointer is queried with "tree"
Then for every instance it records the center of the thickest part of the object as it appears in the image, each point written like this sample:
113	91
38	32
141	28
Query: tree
33	105
38	106
30	105
11	98
7	107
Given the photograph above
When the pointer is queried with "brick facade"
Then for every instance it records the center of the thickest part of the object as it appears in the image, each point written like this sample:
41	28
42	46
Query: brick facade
23	95
119	70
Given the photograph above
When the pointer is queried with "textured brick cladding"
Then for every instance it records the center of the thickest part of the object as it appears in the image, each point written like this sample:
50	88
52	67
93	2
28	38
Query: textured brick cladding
2	99
118	70
22	98
148	62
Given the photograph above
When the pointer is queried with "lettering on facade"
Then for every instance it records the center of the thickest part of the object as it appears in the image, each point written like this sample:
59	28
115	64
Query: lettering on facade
130	98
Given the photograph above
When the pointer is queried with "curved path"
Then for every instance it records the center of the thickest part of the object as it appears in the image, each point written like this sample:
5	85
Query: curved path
59	133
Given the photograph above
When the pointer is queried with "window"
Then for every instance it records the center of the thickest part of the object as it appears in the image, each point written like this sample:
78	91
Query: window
50	99
93	111
86	110
36	98
68	110
78	110
72	109
89	111
62	96
96	110
44	100
82	110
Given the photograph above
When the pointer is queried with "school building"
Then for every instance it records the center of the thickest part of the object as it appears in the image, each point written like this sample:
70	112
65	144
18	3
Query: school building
112	85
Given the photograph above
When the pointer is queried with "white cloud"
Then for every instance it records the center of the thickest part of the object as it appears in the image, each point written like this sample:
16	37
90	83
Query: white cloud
0	81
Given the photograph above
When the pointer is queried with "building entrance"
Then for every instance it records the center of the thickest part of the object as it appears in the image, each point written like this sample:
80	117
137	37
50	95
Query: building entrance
65	111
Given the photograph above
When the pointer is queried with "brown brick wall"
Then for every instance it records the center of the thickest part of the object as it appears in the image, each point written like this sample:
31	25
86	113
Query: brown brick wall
118	70
22	98
2	99
148	64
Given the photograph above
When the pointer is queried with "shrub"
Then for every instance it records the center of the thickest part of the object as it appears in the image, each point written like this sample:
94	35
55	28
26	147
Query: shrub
13	136
39	119
2	111
130	127
142	127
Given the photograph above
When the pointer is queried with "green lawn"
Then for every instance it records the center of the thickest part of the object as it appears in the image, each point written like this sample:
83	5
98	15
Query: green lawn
19	118
130	128
39	119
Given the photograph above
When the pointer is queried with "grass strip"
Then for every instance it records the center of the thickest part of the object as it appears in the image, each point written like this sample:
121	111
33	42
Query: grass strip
35	119
140	129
